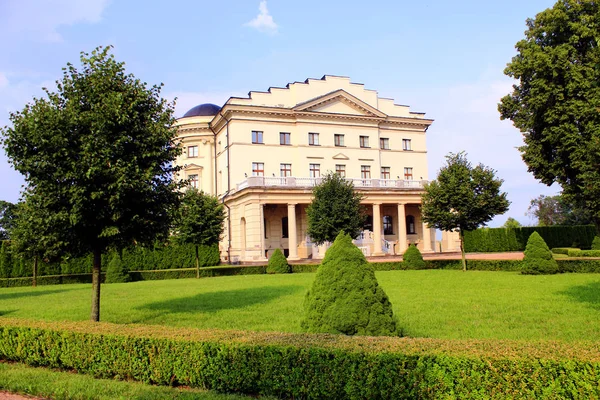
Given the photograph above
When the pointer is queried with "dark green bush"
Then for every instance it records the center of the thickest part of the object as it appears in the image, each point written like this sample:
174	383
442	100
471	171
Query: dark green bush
117	271
562	250
596	243
538	257
308	366
515	239
345	296
412	258
303	268
583	253
278	263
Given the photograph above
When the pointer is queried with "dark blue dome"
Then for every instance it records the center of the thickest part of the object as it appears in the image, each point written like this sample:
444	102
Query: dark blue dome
203	110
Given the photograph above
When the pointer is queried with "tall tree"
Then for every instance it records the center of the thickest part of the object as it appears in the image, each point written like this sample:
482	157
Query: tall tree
511	223
98	155
335	207
462	198
7	218
558	210
556	101
199	221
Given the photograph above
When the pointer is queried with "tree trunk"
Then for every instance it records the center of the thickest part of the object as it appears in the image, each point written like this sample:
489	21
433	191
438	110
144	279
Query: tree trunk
35	268
96	285
197	263
462	250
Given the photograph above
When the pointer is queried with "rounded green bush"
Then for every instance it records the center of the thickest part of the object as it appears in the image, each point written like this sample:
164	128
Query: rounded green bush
596	243
278	263
413	259
116	271
345	296
538	257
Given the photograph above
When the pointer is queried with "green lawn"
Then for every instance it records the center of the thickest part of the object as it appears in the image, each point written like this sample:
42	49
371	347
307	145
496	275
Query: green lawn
432	303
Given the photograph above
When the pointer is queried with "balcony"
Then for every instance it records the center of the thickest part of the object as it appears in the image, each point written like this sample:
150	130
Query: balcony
301	183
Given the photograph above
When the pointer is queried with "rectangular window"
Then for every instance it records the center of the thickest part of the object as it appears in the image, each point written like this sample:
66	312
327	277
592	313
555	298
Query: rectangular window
365	171
258	169
193	181
408	173
314	170
406	145
313	139
285	138
384	143
338	140
192	151
385	173
257	137
364	141
340	169
388	226
285	170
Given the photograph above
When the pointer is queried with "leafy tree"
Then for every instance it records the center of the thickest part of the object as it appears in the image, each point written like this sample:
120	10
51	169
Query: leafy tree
117	272
200	221
556	100
462	197
538	258
335	208
97	155
413	259
511	223
345	296
278	263
7	216
558	210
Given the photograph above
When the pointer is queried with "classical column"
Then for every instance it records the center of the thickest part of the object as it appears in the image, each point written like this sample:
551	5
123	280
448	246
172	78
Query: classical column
292	234
426	238
401	228
261	223
377	250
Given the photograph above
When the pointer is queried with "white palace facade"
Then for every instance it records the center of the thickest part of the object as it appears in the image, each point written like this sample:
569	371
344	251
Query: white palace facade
261	156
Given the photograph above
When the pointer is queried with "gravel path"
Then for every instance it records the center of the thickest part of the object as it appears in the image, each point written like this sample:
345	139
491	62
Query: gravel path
12	396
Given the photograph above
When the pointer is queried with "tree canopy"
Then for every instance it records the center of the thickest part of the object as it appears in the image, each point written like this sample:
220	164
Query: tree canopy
335	208
558	210
7	217
511	223
97	155
462	197
556	101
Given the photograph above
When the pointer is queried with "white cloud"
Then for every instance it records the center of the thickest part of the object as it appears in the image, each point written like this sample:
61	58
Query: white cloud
41	19
263	21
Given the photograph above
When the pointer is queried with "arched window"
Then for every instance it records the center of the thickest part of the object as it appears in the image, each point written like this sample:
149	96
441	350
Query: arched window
368	225
284	227
388	225
410	225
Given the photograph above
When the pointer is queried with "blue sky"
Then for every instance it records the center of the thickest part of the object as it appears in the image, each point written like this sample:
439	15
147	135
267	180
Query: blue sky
443	58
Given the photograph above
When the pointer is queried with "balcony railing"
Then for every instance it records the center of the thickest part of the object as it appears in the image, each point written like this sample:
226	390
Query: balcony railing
294	182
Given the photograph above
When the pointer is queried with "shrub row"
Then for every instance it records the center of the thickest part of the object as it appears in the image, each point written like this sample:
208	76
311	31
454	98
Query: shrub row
583	253
515	239
308	366
563	250
138	259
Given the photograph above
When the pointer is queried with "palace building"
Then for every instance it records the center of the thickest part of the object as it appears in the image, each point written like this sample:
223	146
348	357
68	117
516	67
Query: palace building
261	155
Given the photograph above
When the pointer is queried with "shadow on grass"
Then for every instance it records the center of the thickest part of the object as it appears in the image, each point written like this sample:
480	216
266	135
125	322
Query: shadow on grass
4	313
30	293
225	300
589	294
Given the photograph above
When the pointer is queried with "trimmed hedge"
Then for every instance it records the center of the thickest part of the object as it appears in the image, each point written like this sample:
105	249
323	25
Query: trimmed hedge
308	366
583	253
563	250
490	240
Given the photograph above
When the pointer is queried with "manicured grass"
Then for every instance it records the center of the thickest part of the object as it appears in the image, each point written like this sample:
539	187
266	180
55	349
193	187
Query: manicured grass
18	378
431	303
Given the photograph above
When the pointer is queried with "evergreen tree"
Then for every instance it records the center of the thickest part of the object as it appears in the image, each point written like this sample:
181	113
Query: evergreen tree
5	260
345	296
538	257
596	243
278	263
412	258
117	270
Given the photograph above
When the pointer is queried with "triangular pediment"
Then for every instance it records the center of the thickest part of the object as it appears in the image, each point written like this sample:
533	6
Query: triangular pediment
341	156
192	166
339	102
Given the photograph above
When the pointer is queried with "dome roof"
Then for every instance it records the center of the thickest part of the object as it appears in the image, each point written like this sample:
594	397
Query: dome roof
203	110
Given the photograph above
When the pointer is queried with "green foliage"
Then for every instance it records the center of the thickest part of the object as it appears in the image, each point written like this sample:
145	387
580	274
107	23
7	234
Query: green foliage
511	223
200	219
345	296
278	263
558	210
583	253
596	243
493	240
335	208
538	257
301	366
555	103
562	250
7	218
5	260
117	271
412	258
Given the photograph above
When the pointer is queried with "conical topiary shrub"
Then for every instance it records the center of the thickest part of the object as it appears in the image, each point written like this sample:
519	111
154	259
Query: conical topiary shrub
538	257
596	243
116	272
345	296
278	263
413	259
